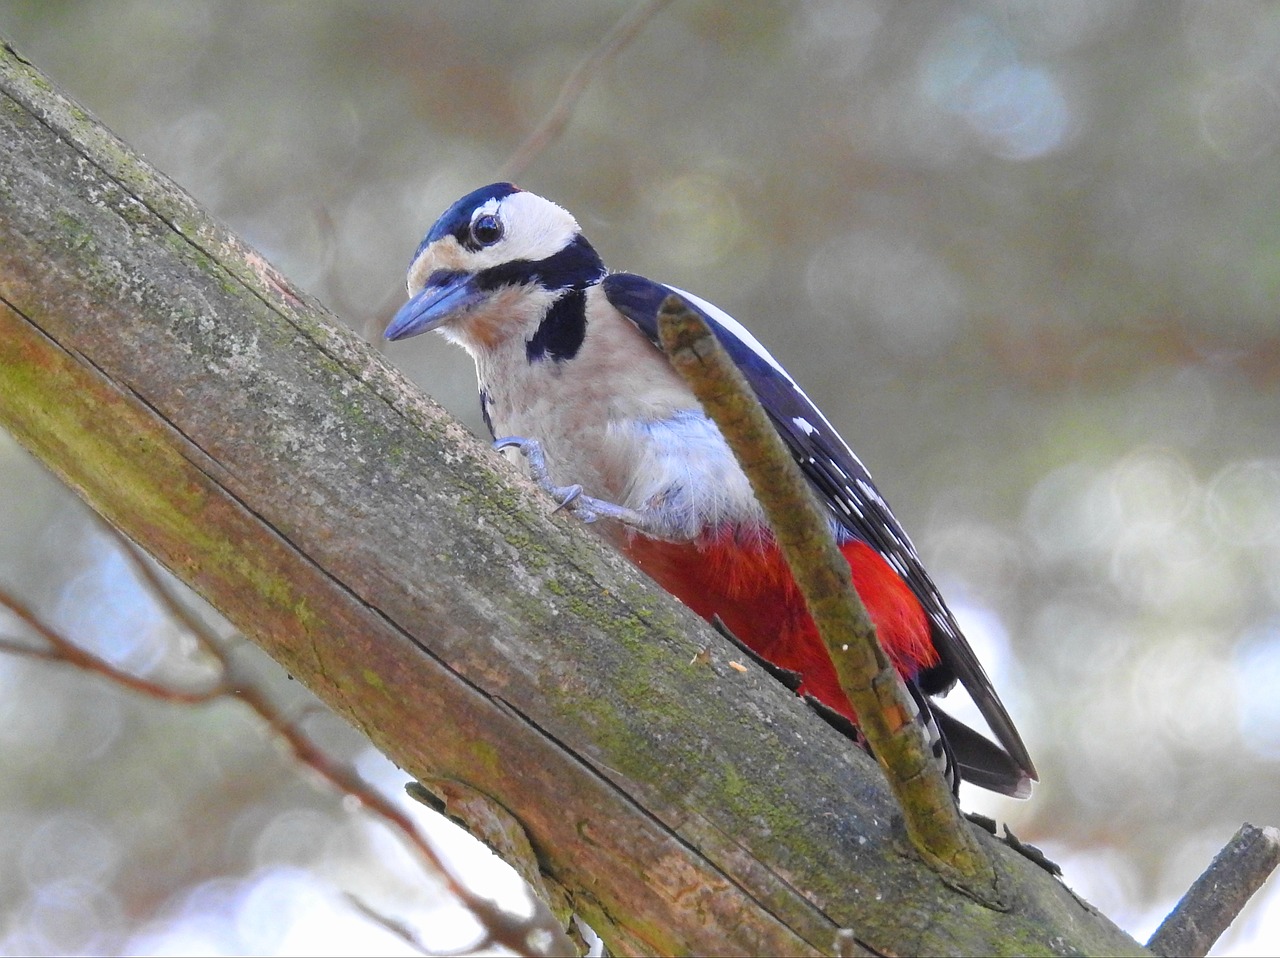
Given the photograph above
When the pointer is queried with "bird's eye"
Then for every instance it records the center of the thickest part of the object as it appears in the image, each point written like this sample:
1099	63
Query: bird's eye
487	229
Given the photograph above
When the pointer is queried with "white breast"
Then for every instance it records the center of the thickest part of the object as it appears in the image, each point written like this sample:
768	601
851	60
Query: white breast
618	420
685	472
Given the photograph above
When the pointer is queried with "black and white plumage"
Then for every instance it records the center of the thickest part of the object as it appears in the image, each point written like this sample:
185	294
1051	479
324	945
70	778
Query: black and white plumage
566	356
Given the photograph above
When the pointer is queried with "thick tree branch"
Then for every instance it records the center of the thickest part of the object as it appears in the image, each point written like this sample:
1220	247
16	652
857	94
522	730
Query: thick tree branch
396	566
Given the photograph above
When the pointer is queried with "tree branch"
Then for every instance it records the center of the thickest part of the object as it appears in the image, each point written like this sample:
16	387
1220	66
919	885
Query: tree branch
64	650
1214	900
398	568
886	713
536	934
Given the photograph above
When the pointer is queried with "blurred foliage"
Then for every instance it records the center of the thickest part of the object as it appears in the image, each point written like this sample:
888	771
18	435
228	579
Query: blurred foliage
1026	256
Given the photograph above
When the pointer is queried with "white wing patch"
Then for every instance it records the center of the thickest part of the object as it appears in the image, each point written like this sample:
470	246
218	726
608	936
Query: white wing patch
742	333
871	492
738	330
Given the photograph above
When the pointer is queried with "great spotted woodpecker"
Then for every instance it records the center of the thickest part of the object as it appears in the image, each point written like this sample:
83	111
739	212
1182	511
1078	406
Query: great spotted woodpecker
570	373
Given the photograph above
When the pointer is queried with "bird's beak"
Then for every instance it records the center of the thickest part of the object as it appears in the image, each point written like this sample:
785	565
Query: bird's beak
445	295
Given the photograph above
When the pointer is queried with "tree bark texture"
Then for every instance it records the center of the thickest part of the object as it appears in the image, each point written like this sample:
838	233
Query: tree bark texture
273	461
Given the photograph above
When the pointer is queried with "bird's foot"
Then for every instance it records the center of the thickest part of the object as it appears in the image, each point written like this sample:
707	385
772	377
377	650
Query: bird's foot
587	508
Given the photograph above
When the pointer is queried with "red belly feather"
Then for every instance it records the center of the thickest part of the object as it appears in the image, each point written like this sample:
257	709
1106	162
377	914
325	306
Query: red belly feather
749	586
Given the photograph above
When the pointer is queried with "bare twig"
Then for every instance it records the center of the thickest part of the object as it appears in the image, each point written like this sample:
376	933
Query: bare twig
553	124
501	927
539	934
1215	898
536	935
886	713
18	647
489	822
163	593
62	649
397	928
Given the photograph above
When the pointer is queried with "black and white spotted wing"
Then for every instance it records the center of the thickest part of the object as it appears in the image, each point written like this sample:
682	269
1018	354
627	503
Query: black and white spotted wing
845	485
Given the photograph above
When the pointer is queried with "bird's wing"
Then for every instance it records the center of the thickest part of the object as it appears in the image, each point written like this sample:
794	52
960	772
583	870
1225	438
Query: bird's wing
838	476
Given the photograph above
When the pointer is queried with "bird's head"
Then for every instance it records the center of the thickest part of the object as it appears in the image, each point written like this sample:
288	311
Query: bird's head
492	265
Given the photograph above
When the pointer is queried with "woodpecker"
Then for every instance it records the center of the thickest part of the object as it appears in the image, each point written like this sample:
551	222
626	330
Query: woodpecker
571	375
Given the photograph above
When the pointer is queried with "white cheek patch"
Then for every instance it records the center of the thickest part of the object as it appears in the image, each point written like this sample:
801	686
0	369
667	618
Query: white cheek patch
533	229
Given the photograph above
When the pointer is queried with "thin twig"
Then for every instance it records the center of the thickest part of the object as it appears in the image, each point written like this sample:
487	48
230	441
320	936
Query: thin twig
1215	898
163	593
553	124
393	927
501	927
62	649
539	934
886	713
18	647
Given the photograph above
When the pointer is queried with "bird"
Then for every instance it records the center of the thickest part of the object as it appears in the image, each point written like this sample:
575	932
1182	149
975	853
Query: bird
572	377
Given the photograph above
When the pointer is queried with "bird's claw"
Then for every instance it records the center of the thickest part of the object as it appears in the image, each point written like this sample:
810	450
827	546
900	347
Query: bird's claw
568	497
586	508
572	494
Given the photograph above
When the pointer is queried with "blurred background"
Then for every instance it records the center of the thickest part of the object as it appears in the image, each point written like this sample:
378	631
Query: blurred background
1025	256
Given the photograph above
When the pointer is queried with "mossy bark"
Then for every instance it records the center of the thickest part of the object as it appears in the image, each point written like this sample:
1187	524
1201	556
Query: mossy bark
395	565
